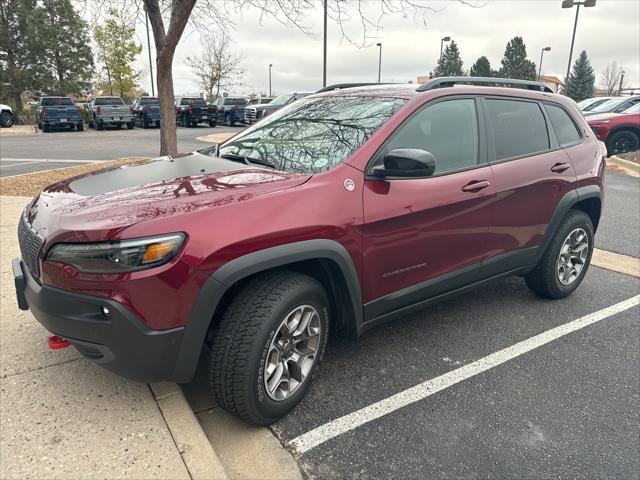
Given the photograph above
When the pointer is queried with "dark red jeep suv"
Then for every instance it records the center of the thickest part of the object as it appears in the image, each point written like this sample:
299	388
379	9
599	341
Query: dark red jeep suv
345	209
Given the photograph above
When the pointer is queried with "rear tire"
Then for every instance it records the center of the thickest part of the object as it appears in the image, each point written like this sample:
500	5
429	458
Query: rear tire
45	128
212	123
230	121
249	342
80	127
145	123
99	125
130	125
561	270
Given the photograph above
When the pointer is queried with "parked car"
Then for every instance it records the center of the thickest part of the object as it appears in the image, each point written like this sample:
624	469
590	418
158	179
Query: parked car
255	113
57	112
231	110
591	103
615	105
105	111
6	116
619	131
326	224
146	111
190	111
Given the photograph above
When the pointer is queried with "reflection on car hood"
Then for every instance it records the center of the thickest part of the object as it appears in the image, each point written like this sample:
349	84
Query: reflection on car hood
96	205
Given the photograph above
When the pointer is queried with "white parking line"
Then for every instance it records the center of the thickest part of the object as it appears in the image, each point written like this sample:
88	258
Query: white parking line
2	165
332	429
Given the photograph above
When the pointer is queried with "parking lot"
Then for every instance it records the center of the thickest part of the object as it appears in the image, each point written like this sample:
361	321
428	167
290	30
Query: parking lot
428	396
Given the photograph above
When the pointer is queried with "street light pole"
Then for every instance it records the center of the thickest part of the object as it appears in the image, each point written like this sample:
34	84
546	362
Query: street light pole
324	50
270	65
442	40
621	82
545	49
570	4
379	61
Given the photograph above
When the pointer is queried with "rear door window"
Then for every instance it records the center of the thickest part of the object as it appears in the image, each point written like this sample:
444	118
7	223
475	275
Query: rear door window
567	132
518	127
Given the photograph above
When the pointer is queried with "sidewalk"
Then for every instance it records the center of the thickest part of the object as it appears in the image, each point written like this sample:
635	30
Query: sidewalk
61	416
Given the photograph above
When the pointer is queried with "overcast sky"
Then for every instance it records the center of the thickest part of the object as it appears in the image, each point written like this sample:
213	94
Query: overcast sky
609	31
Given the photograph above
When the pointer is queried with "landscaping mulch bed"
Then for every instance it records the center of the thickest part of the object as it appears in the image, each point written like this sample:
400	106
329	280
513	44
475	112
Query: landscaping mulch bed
32	183
631	156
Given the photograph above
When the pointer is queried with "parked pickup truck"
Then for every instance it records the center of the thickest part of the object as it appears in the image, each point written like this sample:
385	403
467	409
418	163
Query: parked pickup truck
231	110
254	113
58	112
6	116
105	111
190	111
146	111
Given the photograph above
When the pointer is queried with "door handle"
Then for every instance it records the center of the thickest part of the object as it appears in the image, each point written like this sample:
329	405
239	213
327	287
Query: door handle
560	167
475	186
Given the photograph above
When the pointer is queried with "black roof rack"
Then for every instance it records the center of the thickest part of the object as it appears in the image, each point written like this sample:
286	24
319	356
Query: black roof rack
340	86
443	82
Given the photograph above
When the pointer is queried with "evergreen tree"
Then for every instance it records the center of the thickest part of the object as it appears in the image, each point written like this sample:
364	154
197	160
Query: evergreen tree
18	48
515	63
450	64
581	79
482	68
117	51
64	59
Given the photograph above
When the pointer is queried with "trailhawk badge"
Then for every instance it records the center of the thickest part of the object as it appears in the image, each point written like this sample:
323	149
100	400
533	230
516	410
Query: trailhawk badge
350	185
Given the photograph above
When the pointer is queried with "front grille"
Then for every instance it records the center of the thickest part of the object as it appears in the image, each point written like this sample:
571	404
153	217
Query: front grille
249	115
30	244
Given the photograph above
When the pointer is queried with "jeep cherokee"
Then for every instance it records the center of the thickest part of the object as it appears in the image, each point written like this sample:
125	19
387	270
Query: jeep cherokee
345	209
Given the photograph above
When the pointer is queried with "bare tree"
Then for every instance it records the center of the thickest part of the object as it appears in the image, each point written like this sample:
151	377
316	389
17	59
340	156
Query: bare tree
611	77
169	19
217	66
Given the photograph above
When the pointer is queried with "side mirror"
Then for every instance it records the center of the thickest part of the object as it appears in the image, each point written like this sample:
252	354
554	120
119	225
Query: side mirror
406	163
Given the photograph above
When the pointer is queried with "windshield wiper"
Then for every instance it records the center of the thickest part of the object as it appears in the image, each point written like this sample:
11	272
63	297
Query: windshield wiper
244	159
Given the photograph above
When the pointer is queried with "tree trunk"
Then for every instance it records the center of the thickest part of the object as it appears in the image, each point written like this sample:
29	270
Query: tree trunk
166	42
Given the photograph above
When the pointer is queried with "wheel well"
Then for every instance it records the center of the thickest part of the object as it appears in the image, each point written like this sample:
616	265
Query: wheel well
629	128
325	271
592	207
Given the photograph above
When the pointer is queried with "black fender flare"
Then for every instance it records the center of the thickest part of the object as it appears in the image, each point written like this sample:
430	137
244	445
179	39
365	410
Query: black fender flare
565	204
242	267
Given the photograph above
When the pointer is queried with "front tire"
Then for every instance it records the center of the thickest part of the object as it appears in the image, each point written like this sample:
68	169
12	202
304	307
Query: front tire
622	142
566	260
267	346
6	120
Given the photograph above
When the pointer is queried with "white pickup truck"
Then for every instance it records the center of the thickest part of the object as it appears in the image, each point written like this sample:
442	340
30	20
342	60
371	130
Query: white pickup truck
105	111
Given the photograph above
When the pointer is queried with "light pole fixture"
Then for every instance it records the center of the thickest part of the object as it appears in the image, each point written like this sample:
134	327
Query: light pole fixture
270	65
324	47
570	4
545	49
442	40
379	60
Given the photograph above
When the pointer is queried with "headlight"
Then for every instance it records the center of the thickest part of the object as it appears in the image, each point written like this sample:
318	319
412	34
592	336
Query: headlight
119	256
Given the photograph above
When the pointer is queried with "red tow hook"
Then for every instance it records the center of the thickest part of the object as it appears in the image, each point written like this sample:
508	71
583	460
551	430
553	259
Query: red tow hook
56	343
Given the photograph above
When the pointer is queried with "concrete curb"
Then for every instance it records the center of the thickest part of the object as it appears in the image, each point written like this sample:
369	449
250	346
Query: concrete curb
630	168
216	137
616	262
198	455
18	131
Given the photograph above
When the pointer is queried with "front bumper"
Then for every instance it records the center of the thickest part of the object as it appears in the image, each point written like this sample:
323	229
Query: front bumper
119	341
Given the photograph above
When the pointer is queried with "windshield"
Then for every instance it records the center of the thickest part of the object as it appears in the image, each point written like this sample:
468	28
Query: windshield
595	103
194	102
266	100
56	101
109	101
148	101
282	99
235	101
609	105
634	109
315	134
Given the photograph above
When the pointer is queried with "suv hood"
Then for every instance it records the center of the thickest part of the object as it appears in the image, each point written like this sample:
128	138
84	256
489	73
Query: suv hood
602	116
95	206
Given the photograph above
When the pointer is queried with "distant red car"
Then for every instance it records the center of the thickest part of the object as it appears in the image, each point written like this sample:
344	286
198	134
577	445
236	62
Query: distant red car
619	131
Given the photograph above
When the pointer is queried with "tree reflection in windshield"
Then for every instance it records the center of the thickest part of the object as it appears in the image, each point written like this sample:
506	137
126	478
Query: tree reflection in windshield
315	134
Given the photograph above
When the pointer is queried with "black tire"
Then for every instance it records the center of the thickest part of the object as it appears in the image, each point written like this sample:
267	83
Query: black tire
80	126
212	123
6	119
193	124
229	120
39	126
242	339
99	125
130	125
145	122
543	279
46	128
623	141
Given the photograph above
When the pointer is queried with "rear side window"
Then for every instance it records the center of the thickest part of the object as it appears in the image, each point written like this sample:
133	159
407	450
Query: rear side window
519	128
448	129
566	130
56	101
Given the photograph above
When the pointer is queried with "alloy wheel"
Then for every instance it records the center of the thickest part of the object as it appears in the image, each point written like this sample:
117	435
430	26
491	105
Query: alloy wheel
573	256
